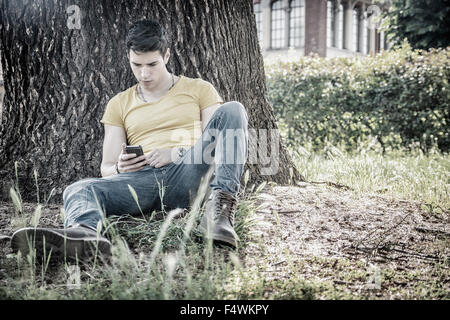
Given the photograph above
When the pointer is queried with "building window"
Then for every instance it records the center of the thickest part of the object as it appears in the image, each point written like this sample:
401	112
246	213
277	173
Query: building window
258	18
377	41
278	25
331	18
386	42
369	38
340	31
296	23
364	44
356	30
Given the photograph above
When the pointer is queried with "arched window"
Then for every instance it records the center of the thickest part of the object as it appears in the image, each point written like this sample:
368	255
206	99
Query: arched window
278	24
258	18
296	23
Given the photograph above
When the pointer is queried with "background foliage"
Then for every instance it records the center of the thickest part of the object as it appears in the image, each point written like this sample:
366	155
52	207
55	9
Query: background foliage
394	100
424	23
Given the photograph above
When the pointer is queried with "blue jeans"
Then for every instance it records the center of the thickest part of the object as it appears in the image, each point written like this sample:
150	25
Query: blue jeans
223	145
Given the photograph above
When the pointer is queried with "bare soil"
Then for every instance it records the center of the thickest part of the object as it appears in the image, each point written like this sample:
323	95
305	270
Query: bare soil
330	235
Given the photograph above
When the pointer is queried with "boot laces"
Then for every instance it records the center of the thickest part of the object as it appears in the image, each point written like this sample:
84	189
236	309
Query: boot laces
225	205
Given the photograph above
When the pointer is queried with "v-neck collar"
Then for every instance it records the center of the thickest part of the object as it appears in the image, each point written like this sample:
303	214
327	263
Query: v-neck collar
168	93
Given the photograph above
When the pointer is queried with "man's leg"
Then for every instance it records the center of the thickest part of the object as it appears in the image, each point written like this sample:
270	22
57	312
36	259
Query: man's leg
223	145
89	201
86	203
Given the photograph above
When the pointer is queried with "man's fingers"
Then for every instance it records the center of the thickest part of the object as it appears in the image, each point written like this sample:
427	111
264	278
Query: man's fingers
133	167
153	159
131	158
126	164
127	156
123	149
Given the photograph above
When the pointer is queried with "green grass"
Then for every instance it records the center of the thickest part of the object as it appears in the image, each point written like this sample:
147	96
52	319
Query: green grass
399	174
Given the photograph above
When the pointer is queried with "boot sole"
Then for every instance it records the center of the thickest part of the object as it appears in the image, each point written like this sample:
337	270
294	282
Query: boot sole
46	241
217	238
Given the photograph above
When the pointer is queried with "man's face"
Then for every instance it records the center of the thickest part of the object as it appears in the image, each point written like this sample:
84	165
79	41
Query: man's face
149	68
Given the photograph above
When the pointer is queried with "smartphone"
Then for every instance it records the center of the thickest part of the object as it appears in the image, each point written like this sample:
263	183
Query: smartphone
134	149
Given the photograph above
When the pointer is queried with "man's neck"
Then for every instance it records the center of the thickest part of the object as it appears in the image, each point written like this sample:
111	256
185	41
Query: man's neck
159	90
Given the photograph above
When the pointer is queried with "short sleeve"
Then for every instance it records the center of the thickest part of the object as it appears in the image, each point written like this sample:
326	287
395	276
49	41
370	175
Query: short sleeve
113	113
209	96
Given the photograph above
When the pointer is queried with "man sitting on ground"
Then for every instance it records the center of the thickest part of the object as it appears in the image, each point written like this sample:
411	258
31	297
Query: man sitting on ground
175	119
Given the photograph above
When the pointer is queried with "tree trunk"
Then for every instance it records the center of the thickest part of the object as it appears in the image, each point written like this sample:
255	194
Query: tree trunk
63	60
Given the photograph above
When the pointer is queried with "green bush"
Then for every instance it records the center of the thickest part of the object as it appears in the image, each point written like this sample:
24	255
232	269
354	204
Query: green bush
393	100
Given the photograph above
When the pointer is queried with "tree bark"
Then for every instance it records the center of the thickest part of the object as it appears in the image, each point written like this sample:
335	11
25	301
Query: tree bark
60	72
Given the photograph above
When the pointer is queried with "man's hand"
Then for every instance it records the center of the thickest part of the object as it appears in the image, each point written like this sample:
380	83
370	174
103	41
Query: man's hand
160	157
129	162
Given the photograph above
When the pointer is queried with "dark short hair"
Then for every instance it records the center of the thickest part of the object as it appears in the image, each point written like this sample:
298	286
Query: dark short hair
147	35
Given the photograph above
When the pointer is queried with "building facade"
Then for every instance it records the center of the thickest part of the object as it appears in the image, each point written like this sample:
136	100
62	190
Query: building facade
292	28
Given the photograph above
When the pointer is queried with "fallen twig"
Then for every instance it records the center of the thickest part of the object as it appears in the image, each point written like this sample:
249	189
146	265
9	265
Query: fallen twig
433	231
332	184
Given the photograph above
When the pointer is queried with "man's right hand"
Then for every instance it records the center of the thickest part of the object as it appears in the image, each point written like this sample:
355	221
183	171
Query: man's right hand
129	162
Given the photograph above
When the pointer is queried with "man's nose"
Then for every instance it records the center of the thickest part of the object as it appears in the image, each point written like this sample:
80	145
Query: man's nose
145	72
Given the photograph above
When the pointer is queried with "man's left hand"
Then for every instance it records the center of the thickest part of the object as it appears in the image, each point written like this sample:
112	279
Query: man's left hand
160	157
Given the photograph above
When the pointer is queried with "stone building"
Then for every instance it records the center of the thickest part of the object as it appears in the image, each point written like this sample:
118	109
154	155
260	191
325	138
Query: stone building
293	28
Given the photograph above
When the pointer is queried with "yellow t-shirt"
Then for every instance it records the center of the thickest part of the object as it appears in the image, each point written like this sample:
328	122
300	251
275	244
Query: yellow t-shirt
173	120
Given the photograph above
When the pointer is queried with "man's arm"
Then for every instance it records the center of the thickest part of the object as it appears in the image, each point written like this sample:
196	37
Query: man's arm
206	115
112	147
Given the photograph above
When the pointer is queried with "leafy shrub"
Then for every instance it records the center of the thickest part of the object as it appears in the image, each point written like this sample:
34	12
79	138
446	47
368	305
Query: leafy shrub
396	99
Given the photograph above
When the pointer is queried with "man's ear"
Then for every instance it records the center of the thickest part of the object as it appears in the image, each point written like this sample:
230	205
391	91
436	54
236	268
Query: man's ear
167	56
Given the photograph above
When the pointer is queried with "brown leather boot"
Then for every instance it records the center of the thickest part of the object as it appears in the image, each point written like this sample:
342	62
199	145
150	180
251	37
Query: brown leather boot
77	242
218	220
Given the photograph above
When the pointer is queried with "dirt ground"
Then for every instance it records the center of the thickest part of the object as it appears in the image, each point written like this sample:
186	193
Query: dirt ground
365	245
361	246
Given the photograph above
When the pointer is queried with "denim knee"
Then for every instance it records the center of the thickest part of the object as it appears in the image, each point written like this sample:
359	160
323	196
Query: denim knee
236	111
77	187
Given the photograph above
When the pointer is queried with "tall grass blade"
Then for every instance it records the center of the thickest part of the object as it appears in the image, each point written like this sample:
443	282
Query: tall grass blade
16	200
37	186
161	235
136	199
36	216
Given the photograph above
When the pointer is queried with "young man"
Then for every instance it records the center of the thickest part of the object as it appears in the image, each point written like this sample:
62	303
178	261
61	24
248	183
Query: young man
183	127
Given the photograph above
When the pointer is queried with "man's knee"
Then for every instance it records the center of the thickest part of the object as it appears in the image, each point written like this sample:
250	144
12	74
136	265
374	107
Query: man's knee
78	186
235	110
